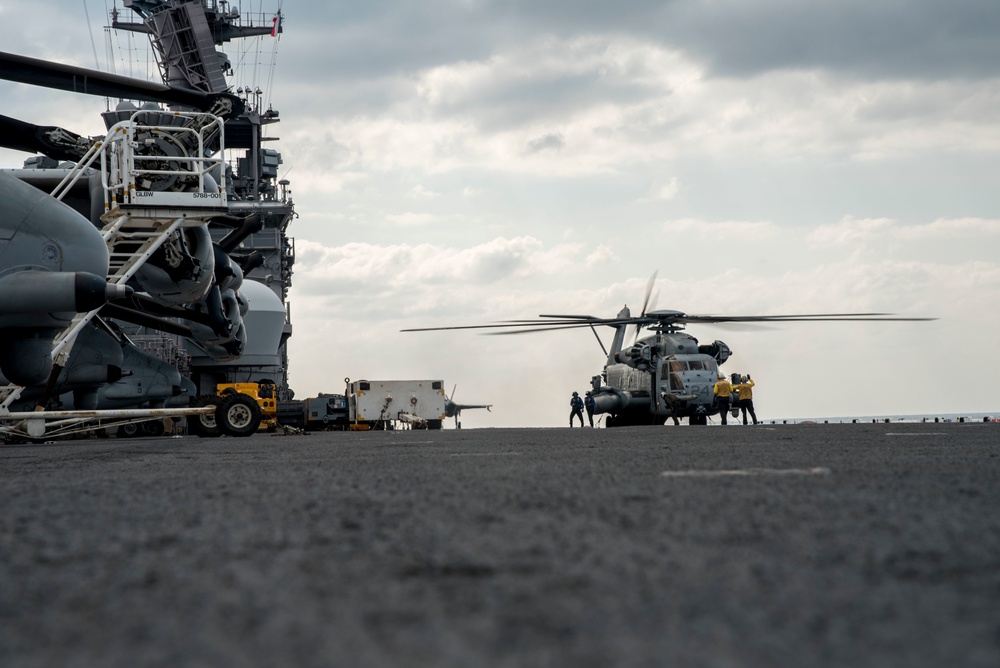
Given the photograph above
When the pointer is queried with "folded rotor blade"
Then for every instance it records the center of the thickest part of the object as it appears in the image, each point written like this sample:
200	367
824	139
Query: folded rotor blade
58	76
52	141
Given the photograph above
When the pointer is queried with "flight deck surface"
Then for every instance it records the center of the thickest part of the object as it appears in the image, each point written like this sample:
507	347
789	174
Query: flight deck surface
787	545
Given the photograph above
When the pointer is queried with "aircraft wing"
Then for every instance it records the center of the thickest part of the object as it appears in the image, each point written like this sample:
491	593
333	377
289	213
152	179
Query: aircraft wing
463	407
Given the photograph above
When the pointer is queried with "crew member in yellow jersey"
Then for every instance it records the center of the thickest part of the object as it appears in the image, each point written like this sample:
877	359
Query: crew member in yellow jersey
723	392
745	391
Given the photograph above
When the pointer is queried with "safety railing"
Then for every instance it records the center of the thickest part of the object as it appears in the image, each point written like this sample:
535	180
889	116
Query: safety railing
158	158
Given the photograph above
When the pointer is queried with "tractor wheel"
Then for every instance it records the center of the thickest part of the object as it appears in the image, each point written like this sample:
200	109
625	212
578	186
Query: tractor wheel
238	415
204	425
130	430
153	428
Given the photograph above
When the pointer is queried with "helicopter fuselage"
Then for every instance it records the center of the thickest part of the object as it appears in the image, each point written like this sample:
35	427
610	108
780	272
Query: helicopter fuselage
658	377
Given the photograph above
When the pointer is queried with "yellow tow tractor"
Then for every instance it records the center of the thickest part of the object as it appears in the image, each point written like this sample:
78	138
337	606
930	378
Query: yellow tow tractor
264	394
247	407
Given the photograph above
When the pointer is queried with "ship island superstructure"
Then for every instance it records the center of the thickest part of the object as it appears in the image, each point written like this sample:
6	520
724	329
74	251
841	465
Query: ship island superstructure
185	37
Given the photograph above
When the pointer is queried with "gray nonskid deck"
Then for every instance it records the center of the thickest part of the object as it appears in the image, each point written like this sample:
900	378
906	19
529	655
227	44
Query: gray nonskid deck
861	545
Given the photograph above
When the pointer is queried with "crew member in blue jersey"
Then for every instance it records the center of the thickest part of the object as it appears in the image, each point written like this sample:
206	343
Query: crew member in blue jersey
590	405
576	406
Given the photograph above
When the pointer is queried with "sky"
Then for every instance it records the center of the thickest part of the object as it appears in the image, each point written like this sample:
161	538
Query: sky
459	162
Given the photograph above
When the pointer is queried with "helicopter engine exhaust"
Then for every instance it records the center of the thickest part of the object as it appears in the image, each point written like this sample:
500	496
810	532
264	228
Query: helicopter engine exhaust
47	292
638	356
717	349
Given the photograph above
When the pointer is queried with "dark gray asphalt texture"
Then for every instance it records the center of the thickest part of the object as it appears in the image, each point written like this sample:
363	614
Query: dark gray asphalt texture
787	545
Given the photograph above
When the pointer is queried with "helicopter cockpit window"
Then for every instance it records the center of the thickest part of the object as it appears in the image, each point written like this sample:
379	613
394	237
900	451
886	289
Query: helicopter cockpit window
701	364
707	364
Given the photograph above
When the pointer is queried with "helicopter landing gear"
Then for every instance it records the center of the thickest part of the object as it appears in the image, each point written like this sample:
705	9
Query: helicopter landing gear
698	420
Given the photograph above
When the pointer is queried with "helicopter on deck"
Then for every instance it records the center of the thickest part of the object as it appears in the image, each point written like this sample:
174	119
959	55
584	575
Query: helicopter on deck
663	375
141	225
139	260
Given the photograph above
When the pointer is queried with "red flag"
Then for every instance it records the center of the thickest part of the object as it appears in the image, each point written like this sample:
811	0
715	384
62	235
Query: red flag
275	24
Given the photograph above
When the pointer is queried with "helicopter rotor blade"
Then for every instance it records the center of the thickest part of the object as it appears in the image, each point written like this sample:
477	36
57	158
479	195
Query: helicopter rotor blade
649	291
817	317
22	69
645	305
442	329
555	324
569	317
57	143
670	319
540	329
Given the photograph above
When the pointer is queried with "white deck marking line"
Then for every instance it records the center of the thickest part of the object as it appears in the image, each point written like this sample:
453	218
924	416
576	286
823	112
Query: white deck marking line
482	454
903	433
406	443
816	470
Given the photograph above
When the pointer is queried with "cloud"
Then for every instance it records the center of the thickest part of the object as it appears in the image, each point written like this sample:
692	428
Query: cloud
923	40
420	192
324	269
410	219
552	141
605	103
668	191
602	256
850	231
968	228
917	39
663	191
726	229
858	232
